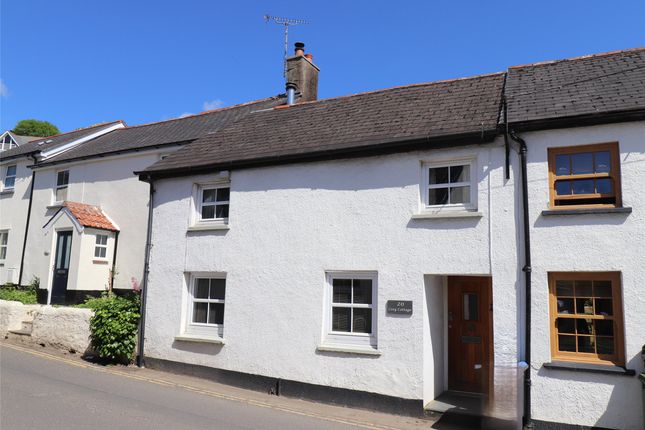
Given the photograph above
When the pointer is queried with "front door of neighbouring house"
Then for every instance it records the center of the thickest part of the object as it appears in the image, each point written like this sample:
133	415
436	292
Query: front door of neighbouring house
61	266
469	333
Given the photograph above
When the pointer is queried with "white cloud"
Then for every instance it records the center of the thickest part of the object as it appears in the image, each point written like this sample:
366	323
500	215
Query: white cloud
213	104
4	91
185	114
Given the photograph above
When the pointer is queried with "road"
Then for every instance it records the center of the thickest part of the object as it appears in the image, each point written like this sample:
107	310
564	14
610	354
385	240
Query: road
41	393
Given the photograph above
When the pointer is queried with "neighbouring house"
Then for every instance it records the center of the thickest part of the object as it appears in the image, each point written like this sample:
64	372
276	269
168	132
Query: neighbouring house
17	189
373	249
583	121
9	140
92	179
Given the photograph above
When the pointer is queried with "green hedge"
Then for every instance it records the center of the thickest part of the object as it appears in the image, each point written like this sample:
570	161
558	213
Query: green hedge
113	328
14	293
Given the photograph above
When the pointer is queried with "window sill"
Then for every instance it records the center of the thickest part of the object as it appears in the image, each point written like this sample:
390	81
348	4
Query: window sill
590	368
100	261
348	349
6	192
587	211
199	339
448	214
206	227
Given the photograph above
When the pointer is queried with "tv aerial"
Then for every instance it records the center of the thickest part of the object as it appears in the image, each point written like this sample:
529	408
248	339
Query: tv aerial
286	22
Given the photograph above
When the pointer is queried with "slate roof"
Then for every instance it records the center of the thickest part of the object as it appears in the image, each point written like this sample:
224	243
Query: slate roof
592	85
90	216
51	142
21	140
429	111
173	131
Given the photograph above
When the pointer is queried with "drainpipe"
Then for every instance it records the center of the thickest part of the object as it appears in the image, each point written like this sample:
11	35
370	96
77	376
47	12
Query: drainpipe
144	283
24	242
526	419
116	244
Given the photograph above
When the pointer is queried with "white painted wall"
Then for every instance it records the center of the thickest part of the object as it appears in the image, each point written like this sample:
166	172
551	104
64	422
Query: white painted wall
289	225
107	182
13	217
589	243
94	273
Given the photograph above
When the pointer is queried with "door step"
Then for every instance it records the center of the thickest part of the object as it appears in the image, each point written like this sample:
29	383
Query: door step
458	403
25	329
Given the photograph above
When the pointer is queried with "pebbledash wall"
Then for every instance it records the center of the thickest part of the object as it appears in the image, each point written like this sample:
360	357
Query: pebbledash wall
291	224
609	242
13	217
108	182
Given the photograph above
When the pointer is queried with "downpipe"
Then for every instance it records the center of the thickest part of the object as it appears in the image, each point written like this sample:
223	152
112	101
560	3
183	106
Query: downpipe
526	419
144	282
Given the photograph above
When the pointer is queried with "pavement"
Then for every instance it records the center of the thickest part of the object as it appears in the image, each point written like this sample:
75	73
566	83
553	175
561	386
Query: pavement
49	389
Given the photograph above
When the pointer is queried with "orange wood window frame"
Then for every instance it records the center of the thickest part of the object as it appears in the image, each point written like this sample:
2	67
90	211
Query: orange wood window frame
614	174
618	357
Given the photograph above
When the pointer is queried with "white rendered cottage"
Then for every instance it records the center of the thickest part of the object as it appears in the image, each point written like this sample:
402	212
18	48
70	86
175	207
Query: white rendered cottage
359	248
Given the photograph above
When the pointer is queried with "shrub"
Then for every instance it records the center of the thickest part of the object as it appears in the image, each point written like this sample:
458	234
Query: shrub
14	293
113	328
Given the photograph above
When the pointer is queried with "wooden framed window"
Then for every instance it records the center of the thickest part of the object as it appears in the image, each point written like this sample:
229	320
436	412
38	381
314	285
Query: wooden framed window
206	294
100	247
586	317
585	176
9	177
214	203
449	185
4	244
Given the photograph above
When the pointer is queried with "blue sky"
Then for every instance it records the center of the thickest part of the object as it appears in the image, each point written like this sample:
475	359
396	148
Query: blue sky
78	62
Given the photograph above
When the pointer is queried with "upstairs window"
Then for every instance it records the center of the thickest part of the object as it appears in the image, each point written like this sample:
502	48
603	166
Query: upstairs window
587	175
4	243
62	181
449	185
586	317
214	203
9	177
7	142
100	249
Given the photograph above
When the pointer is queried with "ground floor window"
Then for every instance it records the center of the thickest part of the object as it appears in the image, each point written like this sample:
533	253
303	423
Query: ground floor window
4	243
586	317
206	301
351	308
100	249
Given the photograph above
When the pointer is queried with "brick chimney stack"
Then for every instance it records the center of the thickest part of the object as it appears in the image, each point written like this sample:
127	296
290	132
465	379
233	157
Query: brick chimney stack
302	72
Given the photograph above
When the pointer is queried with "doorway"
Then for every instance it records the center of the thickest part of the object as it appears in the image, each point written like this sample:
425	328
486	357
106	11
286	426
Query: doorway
470	333
61	266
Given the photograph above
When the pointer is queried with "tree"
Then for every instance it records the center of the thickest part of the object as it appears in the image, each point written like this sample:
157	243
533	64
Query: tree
34	127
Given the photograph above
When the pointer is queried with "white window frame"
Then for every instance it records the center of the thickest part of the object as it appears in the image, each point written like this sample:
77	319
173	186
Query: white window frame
60	187
7	176
348	339
203	330
4	244
7	145
98	245
425	185
196	212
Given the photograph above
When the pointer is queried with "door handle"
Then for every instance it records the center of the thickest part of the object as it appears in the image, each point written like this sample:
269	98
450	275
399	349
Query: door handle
478	366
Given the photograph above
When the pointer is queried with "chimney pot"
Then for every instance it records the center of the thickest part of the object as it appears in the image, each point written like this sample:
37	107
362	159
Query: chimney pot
300	49
309	57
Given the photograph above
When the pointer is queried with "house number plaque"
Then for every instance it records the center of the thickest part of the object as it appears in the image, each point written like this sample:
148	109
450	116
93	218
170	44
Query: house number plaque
400	307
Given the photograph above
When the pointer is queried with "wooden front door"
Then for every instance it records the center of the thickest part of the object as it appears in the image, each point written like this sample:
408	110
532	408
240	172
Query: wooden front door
469	333
61	266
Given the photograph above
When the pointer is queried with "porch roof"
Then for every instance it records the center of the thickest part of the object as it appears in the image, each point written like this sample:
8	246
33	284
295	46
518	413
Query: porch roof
90	216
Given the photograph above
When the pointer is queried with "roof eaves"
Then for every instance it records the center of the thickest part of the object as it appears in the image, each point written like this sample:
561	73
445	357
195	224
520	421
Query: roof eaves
582	120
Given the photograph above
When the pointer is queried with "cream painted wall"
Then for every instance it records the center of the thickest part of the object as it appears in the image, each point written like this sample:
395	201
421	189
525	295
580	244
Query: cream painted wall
13	217
94	273
290	224
614	242
107	182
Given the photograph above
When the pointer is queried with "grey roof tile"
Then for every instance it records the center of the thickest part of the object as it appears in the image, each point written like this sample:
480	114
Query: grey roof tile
430	110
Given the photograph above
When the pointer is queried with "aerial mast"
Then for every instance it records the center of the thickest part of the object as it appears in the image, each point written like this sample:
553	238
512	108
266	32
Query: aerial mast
286	22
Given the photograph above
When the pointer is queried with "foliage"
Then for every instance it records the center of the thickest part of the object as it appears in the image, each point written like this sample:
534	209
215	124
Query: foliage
14	293
113	328
34	127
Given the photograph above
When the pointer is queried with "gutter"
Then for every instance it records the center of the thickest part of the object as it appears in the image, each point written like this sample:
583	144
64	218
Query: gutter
359	150
144	282
526	419
24	242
